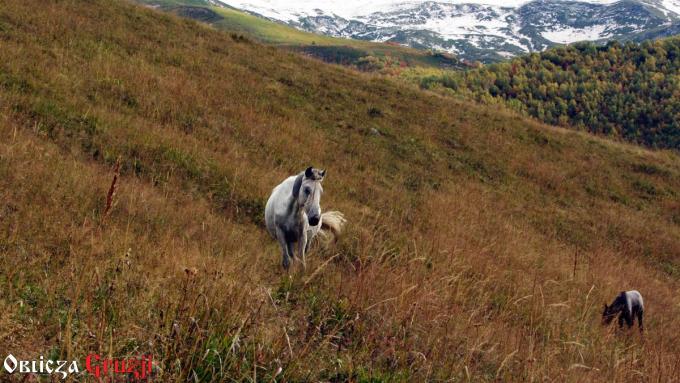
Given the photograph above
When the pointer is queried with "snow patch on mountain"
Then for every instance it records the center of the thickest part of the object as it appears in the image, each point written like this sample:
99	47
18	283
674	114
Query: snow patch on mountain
672	5
570	35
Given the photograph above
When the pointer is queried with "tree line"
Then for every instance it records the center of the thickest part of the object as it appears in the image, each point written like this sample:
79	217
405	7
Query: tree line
628	90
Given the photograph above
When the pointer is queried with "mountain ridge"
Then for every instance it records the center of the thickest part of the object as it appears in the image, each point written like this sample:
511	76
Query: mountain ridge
476	30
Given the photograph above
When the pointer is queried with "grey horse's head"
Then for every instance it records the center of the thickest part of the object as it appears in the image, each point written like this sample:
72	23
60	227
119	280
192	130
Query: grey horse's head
307	192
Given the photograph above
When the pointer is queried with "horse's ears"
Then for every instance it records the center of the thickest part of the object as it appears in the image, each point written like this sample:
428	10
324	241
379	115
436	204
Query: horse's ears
309	172
322	173
296	186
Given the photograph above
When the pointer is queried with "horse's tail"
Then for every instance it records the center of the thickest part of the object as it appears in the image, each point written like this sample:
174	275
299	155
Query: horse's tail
332	221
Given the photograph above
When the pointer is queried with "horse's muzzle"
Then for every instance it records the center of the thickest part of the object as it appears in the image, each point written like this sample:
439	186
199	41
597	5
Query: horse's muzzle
314	220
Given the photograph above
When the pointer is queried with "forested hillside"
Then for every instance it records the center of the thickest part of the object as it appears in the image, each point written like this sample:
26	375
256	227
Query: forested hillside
480	245
631	91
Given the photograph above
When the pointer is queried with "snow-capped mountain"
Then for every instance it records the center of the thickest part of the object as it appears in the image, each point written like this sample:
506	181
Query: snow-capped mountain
485	30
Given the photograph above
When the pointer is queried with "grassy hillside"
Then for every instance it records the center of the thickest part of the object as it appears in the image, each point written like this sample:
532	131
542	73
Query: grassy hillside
480	245
366	55
629	91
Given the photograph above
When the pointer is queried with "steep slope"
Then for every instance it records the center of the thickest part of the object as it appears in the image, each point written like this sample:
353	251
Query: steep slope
480	245
628	91
475	30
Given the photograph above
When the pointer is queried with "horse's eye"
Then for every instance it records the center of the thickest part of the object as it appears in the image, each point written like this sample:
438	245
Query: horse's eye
307	191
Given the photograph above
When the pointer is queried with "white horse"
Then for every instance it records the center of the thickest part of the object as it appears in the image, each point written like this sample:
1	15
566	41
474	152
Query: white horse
293	214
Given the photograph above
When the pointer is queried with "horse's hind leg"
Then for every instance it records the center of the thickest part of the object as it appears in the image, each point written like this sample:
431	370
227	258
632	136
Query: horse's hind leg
640	313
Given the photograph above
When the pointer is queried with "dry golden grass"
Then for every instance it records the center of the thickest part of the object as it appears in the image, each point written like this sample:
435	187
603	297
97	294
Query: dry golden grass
480	246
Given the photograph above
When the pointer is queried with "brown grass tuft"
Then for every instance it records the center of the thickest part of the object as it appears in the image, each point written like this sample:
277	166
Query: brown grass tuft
112	191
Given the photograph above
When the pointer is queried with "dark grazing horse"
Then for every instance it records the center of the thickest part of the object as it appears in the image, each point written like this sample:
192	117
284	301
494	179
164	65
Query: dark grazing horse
628	304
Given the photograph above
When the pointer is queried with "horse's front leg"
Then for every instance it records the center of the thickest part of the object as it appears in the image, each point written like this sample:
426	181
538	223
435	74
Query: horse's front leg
286	248
309	241
629	319
302	247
